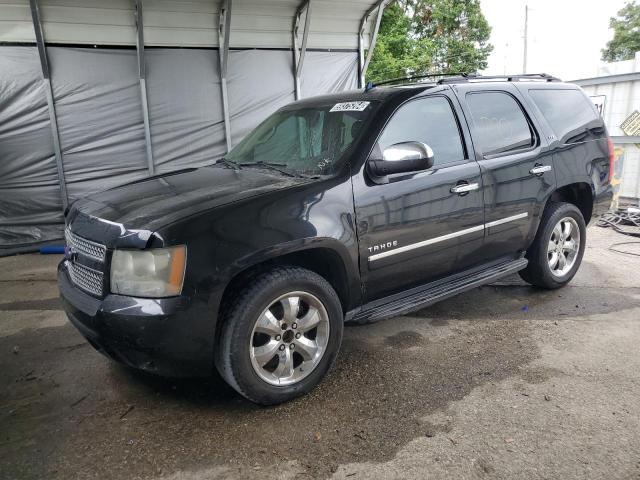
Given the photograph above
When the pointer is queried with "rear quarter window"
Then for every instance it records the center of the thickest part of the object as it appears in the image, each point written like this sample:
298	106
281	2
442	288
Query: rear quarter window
570	114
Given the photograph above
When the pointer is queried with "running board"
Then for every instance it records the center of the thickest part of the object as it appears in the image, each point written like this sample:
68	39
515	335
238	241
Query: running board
420	297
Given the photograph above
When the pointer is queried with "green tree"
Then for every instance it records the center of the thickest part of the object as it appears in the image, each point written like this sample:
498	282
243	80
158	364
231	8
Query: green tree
626	34
420	37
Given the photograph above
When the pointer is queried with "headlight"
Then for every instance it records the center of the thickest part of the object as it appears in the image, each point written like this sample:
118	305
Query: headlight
158	272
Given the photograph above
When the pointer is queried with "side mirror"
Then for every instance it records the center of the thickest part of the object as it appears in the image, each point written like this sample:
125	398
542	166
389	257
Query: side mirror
403	157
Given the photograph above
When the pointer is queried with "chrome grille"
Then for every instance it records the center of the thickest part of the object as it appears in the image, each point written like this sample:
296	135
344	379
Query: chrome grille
86	278
84	246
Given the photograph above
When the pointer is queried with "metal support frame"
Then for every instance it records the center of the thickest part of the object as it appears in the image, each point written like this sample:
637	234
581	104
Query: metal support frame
53	120
142	77
224	30
300	52
363	62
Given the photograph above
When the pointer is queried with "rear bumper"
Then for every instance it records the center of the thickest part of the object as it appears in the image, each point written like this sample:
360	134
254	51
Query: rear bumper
166	336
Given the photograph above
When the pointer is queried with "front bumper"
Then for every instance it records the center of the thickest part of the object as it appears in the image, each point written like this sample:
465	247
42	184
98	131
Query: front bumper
166	336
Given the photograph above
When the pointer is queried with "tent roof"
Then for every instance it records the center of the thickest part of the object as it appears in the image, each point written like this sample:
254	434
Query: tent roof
187	23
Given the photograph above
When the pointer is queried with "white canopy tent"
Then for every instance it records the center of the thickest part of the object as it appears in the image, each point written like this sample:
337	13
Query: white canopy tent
94	94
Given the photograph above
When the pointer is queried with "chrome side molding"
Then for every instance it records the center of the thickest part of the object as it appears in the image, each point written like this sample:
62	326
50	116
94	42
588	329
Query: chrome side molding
424	243
506	220
449	236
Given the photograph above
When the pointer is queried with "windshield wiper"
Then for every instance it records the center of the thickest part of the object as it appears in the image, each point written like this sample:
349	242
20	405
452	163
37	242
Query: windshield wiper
228	163
262	162
273	166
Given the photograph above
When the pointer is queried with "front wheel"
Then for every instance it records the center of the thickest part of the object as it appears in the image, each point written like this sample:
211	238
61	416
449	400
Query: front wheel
280	335
556	252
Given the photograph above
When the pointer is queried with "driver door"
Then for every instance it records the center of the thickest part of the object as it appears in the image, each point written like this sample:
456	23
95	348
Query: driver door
416	228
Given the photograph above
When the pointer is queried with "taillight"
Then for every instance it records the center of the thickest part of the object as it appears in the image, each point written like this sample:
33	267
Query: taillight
612	159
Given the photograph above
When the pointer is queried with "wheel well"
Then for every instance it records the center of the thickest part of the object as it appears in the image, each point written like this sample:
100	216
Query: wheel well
578	194
323	261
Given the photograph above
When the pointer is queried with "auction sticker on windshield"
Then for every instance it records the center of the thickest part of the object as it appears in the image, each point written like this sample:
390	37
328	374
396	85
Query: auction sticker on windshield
349	107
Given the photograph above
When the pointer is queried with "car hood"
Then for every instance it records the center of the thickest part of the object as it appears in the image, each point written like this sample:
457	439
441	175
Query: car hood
160	200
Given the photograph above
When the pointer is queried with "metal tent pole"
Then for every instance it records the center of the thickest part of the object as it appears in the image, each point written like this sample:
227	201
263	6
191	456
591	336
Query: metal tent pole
299	53
374	38
526	40
363	63
142	76
223	35
53	120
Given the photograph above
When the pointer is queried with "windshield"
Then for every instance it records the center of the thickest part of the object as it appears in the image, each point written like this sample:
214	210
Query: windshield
309	141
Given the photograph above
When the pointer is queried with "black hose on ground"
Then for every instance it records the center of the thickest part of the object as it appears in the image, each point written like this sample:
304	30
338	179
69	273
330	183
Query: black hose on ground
626	222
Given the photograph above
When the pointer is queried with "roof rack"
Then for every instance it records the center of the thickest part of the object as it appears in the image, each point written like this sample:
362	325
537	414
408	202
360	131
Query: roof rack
371	85
545	77
461	77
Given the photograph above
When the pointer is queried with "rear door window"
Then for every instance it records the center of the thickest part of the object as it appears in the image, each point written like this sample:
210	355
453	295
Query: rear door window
569	113
501	126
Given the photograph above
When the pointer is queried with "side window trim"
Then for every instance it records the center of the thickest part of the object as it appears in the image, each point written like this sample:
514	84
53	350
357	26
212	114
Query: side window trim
532	129
465	152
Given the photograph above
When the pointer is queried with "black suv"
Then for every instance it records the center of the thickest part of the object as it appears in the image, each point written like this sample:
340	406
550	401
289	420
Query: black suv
347	207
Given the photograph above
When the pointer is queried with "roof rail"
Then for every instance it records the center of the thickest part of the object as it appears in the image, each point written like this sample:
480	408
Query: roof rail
371	85
460	77
509	78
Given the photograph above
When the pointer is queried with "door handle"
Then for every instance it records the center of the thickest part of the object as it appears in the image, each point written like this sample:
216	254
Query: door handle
464	188
538	170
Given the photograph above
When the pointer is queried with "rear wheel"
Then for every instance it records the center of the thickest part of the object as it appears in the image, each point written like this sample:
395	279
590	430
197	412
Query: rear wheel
280	335
556	252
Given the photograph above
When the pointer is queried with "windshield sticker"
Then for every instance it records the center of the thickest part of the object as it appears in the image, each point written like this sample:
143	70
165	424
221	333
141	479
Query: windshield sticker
349	107
324	163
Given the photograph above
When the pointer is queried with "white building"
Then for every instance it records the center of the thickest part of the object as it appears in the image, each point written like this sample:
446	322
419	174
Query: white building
616	90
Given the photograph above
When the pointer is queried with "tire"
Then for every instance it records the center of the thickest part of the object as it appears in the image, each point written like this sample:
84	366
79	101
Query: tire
542	256
256	325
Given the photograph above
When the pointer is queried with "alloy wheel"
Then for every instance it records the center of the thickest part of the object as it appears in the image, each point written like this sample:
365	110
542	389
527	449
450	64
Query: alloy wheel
564	245
289	338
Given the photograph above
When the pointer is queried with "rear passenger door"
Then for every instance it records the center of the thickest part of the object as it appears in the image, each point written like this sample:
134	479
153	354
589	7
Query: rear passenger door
515	162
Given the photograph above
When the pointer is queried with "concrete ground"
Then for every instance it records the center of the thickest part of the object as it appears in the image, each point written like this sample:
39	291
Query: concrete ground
503	382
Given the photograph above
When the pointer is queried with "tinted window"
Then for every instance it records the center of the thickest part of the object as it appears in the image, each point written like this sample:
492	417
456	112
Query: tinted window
427	120
568	112
500	123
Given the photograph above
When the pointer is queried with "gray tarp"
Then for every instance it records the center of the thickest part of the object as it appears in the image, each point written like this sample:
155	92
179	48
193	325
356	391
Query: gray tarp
97	97
185	107
30	201
251	101
326	72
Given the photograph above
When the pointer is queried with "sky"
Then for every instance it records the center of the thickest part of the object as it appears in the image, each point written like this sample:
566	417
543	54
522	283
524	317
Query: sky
565	36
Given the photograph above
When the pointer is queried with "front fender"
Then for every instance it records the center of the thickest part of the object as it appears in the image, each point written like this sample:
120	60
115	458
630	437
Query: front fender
227	240
275	251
